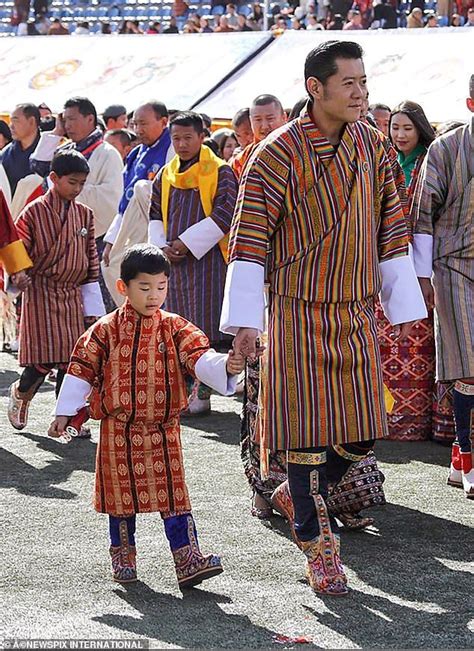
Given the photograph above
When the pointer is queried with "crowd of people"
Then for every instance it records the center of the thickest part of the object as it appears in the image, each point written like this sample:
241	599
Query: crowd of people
301	253
302	15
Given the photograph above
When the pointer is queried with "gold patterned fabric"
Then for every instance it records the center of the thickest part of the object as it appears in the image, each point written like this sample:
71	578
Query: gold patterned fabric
307	458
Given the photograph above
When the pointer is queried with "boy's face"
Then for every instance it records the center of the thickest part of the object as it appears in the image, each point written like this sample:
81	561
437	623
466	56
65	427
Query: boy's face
244	134
146	292
69	186
186	141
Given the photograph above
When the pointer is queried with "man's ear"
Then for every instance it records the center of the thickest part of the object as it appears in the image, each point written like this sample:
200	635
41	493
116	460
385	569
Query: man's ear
314	87
121	287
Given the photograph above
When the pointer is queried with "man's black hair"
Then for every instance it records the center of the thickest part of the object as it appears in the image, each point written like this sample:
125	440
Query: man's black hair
30	111
265	100
188	119
68	162
321	62
143	258
158	108
243	115
206	119
84	106
379	107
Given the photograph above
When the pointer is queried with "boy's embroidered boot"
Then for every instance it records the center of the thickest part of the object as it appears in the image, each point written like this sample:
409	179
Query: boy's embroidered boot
124	564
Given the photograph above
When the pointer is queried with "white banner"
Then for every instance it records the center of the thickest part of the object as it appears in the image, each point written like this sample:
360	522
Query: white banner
176	69
428	66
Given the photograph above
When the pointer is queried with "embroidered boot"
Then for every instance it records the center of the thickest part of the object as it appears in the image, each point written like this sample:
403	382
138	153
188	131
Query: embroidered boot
282	502
455	469
324	568
192	568
124	564
467	474
18	404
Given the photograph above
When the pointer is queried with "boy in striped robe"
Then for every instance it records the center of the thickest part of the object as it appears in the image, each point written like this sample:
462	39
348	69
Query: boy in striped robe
318	214
58	234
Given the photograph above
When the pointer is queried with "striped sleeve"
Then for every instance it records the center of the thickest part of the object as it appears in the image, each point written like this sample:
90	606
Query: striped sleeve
393	234
431	189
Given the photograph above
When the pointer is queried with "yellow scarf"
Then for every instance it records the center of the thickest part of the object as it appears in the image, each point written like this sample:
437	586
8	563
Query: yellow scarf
202	175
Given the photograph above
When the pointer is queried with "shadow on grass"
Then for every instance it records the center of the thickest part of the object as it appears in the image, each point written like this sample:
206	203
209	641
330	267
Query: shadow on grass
415	596
403	452
223	426
195	621
28	480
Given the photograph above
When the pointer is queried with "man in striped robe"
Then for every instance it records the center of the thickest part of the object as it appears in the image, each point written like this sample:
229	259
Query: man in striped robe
318	214
444	249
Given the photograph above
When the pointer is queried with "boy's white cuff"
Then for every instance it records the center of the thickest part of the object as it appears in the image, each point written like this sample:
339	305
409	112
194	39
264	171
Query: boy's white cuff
72	396
92	301
211	369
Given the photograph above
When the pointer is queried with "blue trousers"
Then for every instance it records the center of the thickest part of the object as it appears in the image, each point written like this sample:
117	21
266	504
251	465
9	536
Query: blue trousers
177	529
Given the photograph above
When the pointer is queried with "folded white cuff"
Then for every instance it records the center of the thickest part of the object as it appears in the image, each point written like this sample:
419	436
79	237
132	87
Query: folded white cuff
244	299
92	301
156	233
211	369
72	396
113	230
401	295
423	254
46	147
200	238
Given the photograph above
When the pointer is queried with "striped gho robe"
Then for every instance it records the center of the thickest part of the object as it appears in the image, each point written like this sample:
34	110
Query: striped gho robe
332	221
444	246
64	288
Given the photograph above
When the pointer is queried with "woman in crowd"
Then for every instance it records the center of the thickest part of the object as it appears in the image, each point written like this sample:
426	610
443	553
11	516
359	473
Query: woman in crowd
227	145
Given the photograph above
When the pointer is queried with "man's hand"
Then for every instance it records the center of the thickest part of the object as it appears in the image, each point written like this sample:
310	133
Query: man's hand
20	280
235	363
404	330
174	258
428	292
106	253
245	342
59	129
57	429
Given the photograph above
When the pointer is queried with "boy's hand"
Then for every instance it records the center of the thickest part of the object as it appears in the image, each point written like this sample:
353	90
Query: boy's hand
57	429
20	280
235	363
106	254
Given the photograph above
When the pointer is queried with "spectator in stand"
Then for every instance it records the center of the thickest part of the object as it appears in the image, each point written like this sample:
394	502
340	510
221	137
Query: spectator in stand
385	16
355	21
224	25
312	23
42	25
105	28
115	117
227	146
470	17
415	19
57	28
231	15
432	21
455	21
40	7
130	27
381	114
21	11
296	24
15	157
190	28
242	24
83	29
5	134
173	28
257	15
122	139
280	24
180	8
204	26
337	23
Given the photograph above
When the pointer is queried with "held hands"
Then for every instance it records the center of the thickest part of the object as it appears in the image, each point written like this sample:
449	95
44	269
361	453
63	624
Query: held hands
235	363
176	251
245	342
57	429
20	280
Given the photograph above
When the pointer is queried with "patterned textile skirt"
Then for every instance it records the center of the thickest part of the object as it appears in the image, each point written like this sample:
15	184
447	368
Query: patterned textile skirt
443	416
249	445
139	468
409	374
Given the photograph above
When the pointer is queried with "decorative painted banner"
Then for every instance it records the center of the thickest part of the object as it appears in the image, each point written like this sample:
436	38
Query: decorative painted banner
428	66
176	69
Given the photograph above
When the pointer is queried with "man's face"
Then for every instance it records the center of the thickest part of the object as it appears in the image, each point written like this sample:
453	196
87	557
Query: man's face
146	292
342	97
382	119
356	19
265	119
21	126
119	122
116	142
186	142
69	186
244	134
470	16
148	126
77	126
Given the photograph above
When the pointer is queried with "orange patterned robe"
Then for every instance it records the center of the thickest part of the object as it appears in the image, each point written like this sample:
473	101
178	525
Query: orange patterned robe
137	368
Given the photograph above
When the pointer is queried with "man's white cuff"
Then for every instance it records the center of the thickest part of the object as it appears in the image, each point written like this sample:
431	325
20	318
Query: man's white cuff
156	233
46	147
92	301
244	299
200	238
423	255
401	295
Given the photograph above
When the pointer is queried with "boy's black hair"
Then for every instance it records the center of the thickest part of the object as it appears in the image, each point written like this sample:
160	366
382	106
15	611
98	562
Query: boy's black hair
69	162
143	258
188	119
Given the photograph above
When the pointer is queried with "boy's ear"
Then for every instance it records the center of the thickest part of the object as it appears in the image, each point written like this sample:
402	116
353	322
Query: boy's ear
54	177
121	287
